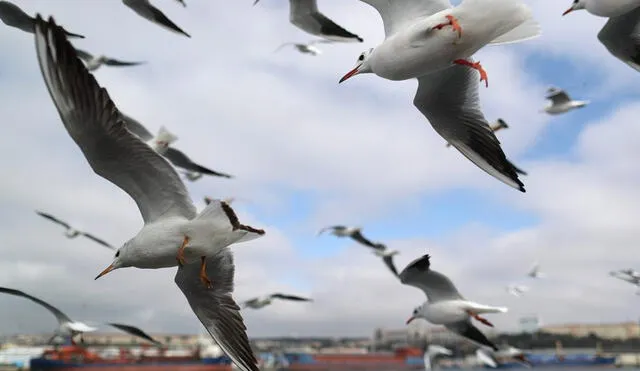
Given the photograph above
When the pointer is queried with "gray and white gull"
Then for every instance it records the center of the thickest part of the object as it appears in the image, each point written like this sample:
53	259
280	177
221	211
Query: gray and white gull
308	48
561	102
263	301
94	62
71	232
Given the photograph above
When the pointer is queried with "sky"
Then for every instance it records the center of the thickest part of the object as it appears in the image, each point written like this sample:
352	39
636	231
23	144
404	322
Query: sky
306	153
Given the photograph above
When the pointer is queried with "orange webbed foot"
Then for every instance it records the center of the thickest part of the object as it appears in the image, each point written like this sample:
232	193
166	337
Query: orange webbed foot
453	22
476	66
180	255
203	273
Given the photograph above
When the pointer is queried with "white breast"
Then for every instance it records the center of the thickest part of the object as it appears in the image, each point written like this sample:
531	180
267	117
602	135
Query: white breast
445	312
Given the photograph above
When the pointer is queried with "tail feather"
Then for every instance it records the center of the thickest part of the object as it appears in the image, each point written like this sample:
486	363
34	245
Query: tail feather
480	308
222	215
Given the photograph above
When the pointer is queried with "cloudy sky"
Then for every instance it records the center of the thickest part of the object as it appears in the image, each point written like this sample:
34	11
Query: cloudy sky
307	152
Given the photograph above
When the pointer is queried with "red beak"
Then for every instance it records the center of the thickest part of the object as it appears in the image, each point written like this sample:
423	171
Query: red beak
567	11
410	319
349	74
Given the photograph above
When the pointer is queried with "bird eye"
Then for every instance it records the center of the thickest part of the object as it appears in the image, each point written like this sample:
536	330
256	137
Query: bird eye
117	253
361	57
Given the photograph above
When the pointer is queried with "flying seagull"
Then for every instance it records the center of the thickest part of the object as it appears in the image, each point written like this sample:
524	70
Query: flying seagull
517	290
161	143
13	16
561	102
491	359
417	46
71	232
93	62
534	272
431	353
444	305
305	15
149	12
628	275
261	302
174	234
307	48
70	328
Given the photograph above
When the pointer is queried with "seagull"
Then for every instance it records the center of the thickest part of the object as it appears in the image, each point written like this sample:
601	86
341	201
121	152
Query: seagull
174	234
631	272
307	48
444	305
69	328
625	276
161	143
604	8
13	16
354	232
561	102
620	36
71	232
144	9
506	353
432	352
93	63
534	272
304	14
261	302
517	290
415	47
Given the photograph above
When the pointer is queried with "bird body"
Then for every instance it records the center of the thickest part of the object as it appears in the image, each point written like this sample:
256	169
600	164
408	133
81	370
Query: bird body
604	8
93	63
561	102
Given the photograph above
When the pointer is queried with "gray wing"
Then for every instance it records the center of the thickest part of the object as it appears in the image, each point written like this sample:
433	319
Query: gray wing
289	297
435	285
96	126
179	159
216	309
469	331
136	127
558	96
357	236
250	302
332	227
305	15
147	11
388	260
85	56
61	317
449	100
119	63
621	36
396	14
518	170
13	16
53	219
132	330
96	239
182	3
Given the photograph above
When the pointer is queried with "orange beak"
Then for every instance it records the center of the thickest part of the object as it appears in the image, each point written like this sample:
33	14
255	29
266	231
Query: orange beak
107	270
567	11
349	74
410	319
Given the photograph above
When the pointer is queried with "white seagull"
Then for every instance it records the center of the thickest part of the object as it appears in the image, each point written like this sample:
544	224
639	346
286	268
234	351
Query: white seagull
415	47
517	290
69	328
432	352
162	142
491	359
12	15
604	8
149	12
308	48
534	272
93	62
561	102
174	234
71	232
263	301
305	15
444	305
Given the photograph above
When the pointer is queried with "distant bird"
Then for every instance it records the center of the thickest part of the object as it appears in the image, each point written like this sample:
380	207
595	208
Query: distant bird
626	276
182	3
491	359
71	232
307	48
517	290
561	102
93	63
70	328
149	12
261	302
161	143
12	15
304	14
192	176
352	232
499	125
444	305
431	353
631	272
534	272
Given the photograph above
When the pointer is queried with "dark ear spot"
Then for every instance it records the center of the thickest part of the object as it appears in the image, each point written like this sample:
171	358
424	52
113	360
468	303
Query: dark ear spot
117	253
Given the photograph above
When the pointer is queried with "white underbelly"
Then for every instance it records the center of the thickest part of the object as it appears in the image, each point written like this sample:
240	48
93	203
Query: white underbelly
445	312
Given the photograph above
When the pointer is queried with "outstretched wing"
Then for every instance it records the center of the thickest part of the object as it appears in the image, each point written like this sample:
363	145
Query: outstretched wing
135	332
435	285
61	317
53	219
96	239
289	297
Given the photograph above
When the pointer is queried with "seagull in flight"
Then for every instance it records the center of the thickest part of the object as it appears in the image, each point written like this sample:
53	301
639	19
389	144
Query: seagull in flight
307	48
444	305
71	232
263	301
517	290
69	328
628	275
534	272
146	10
561	102
354	233
93	62
12	15
431	353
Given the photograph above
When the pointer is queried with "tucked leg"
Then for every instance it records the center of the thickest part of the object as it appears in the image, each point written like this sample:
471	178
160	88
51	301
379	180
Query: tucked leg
453	22
203	272
483	320
180	256
476	66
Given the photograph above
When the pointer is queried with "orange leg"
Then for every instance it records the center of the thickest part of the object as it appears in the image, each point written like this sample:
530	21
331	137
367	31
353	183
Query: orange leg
180	256
476	66
483	320
453	22
203	272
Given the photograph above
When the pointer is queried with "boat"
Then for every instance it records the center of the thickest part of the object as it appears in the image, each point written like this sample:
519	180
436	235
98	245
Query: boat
401	359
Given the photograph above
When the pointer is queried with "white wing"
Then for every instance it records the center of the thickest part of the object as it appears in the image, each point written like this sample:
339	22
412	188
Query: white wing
435	285
396	14
96	125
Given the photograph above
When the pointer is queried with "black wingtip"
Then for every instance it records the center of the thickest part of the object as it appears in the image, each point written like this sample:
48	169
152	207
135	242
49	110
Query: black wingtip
422	264
360	39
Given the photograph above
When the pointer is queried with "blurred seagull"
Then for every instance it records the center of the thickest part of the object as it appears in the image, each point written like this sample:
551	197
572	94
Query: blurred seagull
625	276
261	302
517	290
12	15
561	102
307	48
70	328
93	63
304	14
431	353
174	234
444	305
534	272
149	12
161	143
354	233
71	232
491	359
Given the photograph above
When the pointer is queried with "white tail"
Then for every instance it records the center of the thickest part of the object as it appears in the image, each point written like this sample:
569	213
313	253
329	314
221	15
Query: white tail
165	135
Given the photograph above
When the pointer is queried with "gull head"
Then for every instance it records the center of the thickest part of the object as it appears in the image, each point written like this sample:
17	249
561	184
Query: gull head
362	66
119	261
577	5
417	313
